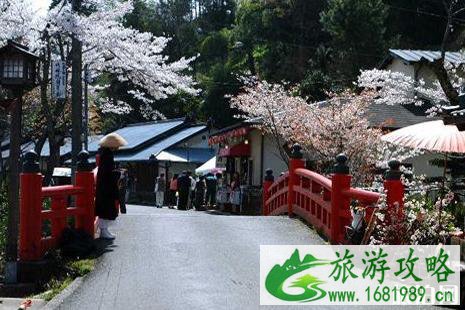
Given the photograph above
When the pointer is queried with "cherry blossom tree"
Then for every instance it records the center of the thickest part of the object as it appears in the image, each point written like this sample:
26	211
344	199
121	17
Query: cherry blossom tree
109	48
324	129
275	108
398	88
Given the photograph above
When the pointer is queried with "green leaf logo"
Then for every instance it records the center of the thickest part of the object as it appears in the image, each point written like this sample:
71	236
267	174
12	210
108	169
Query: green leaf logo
275	279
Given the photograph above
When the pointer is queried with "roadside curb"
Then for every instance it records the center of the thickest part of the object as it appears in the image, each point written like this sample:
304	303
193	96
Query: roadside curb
58	300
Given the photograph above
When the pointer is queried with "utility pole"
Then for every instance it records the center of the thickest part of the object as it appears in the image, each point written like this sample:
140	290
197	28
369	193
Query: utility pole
76	93
86	107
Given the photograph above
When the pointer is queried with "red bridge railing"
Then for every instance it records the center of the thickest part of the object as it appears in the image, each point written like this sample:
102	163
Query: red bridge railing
41	229
322	202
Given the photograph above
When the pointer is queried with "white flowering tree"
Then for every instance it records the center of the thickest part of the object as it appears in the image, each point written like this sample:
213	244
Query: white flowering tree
109	48
393	88
418	222
324	129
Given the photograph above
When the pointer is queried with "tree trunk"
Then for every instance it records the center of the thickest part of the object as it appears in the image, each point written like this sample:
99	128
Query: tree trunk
40	144
441	74
53	159
13	188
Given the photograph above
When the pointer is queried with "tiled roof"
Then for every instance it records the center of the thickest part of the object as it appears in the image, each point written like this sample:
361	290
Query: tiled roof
419	55
392	116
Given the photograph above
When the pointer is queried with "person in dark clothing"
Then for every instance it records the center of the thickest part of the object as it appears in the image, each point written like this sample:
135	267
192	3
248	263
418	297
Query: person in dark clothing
199	200
184	184
123	187
107	192
211	190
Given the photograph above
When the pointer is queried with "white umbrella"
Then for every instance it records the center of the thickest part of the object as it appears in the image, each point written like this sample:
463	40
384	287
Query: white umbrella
209	167
431	136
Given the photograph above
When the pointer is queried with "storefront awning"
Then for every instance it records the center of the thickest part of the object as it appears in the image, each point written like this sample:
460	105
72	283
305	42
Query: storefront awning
239	150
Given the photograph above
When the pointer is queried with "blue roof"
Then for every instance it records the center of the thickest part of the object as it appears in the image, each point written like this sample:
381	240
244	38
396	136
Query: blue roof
160	146
138	134
419	55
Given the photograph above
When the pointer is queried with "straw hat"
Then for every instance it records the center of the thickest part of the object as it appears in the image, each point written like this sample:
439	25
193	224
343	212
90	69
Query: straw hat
112	141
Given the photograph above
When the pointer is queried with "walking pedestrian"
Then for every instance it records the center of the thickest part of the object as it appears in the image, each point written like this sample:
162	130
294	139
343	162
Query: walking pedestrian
184	184
160	187
123	189
191	190
211	184
107	192
173	191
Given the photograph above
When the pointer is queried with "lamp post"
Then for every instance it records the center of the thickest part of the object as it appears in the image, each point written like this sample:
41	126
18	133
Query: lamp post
18	73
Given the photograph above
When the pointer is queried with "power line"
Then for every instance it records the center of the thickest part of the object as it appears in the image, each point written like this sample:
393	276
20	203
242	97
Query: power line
426	13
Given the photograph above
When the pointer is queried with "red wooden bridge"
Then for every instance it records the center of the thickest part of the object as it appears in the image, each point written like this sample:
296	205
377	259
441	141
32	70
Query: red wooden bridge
322	202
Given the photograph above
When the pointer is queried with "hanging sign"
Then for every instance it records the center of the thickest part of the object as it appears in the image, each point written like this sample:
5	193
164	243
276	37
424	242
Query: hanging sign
59	79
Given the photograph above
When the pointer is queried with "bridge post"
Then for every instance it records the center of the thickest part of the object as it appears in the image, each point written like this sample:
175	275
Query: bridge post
268	182
340	204
296	161
394	188
85	202
30	225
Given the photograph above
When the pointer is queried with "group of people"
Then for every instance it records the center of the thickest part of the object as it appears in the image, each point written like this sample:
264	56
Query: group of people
187	191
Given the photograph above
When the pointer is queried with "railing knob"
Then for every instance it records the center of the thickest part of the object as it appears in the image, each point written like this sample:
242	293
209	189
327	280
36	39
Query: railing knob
31	162
341	164
296	152
83	161
269	175
393	173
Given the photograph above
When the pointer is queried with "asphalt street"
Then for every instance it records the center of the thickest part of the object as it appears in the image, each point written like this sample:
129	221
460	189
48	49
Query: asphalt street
169	259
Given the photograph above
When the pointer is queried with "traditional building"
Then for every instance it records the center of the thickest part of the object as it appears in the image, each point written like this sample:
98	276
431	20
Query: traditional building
167	146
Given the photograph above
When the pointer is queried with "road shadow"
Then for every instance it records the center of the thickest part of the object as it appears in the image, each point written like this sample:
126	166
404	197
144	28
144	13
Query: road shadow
102	246
217	212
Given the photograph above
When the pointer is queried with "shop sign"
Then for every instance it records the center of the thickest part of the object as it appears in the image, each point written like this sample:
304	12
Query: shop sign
238	132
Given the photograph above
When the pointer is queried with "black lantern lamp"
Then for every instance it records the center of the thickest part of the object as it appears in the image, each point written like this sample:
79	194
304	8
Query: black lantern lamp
18	67
18	73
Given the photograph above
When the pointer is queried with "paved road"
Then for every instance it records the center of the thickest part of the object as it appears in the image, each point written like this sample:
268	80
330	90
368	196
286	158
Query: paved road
169	259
